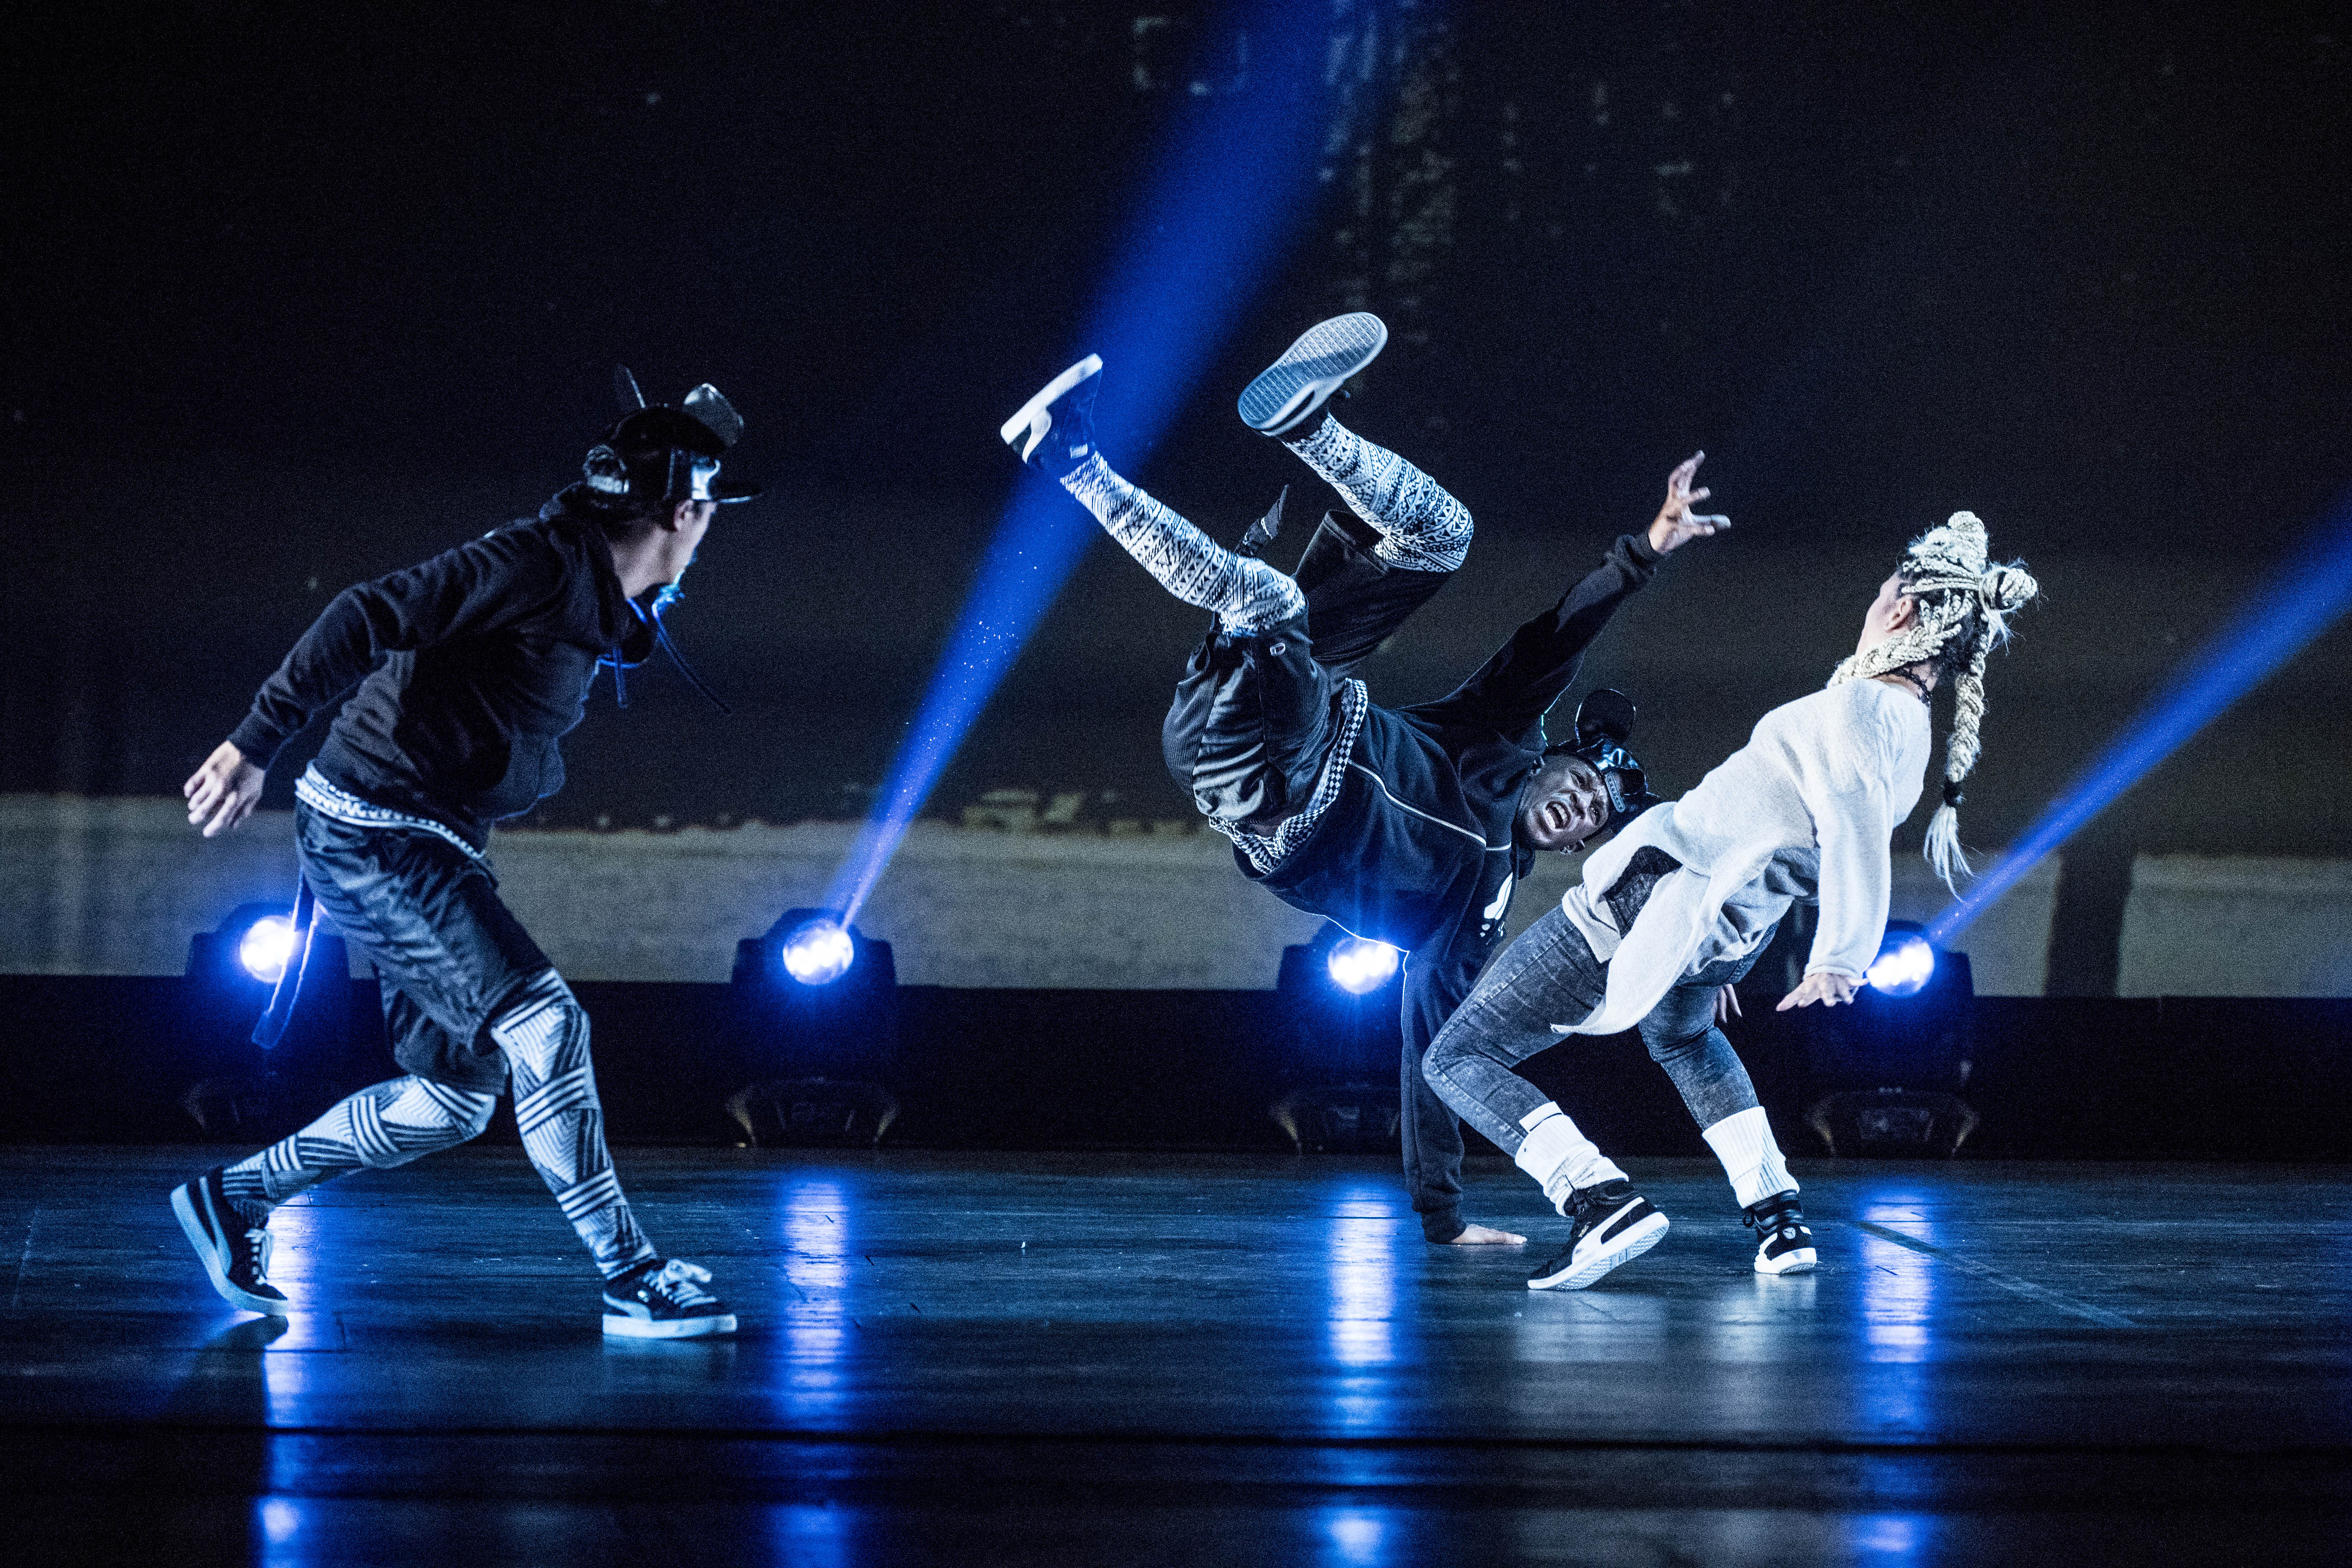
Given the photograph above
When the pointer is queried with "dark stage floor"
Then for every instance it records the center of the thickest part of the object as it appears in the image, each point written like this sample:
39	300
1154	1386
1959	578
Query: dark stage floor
1177	1359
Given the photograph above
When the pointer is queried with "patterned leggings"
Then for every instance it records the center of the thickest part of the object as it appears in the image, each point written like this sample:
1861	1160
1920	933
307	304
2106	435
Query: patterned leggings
1421	527
543	1034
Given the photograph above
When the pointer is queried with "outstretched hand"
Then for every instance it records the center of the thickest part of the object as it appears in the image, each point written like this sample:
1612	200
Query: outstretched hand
224	792
1824	985
1676	524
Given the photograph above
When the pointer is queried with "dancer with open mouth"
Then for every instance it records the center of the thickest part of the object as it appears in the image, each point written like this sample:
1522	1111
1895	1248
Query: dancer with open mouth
1408	826
1671	914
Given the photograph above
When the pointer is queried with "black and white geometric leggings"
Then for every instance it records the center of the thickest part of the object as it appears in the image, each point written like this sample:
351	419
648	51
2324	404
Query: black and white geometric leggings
1421	526
543	1034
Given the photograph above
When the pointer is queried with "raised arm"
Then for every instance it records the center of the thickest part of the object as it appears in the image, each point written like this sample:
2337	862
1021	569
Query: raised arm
1528	673
472	588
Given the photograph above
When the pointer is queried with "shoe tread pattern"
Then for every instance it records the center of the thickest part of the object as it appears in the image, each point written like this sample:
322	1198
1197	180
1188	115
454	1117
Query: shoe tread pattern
1327	353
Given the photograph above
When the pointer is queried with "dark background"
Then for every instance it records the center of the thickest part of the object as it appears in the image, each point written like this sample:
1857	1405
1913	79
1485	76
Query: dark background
297	295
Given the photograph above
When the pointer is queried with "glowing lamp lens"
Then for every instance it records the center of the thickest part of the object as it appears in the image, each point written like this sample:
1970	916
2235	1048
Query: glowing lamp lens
818	953
1901	966
1358	965
266	947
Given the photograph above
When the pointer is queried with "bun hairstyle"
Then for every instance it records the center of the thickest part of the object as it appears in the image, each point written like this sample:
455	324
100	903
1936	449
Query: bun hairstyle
1965	604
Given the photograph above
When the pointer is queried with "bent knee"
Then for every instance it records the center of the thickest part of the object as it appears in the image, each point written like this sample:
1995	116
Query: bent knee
413	1116
1266	596
475	1121
1664	1049
540	1027
1443	1055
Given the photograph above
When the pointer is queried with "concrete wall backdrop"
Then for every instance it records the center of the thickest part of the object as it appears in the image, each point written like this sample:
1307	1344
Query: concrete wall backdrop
117	886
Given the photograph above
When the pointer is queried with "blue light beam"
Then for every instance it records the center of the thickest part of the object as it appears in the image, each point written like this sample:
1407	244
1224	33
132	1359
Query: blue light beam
1216	219
2309	595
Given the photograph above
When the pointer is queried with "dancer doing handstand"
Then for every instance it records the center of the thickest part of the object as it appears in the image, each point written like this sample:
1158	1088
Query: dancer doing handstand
1407	825
1676	908
469	669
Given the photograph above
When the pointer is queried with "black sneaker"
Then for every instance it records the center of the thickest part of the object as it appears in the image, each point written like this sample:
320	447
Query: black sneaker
1294	388
1787	1245
1055	429
236	1254
663	1301
1614	1224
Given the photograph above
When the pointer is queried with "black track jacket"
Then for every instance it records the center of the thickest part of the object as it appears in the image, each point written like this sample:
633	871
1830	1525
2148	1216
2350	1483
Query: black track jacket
1418	850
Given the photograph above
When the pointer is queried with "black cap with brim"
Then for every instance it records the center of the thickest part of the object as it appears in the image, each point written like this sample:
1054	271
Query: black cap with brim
1628	795
1604	722
657	453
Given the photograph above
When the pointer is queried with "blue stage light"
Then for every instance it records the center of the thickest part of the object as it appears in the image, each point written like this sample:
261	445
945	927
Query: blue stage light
818	953
1357	965
1238	182
2309	595
266	946
1904	965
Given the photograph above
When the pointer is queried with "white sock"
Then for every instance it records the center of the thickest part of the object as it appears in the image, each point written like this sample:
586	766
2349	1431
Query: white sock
1559	1157
1750	1157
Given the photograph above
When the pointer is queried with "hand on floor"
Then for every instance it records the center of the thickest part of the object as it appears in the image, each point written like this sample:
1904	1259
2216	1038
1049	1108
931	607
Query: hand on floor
1486	1235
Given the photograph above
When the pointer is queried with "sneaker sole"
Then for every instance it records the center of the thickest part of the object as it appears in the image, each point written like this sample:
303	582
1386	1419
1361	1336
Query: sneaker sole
1644	1235
1031	418
1309	371
1799	1261
199	1237
627	1327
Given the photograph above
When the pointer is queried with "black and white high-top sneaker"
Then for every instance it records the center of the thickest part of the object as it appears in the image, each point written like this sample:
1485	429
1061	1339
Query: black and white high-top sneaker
235	1253
1786	1245
1614	1224
1294	388
661	1299
1055	429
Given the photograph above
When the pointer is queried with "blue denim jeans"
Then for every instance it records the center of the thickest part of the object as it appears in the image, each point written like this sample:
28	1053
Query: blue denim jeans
1549	977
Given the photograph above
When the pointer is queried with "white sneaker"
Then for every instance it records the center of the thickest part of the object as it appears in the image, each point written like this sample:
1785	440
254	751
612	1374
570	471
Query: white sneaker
1614	1224
1294	388
1056	427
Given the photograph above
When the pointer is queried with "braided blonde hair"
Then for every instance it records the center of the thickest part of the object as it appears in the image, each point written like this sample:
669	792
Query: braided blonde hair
1964	609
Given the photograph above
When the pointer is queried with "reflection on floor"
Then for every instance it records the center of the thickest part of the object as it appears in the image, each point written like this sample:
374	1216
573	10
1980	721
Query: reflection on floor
1184	1358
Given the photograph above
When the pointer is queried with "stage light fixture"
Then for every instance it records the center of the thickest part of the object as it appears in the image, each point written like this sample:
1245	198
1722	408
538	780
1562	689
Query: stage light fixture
1341	995
266	946
1885	1076
818	952
247	951
1905	965
1358	964
239	1084
815	1033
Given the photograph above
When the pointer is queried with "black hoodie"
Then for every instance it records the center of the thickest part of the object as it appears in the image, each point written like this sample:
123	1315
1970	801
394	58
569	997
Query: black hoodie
469	667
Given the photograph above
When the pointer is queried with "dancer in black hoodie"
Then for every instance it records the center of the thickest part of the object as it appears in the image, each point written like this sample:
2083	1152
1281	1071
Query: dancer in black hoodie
1406	825
469	669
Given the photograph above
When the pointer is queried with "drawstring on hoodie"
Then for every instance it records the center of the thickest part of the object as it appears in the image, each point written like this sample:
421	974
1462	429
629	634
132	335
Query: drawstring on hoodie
661	636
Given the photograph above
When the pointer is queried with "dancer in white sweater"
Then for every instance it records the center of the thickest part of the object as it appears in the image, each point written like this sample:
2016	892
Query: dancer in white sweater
1674	909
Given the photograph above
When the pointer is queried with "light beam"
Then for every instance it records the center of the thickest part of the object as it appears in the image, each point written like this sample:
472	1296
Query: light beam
1215	218
2309	595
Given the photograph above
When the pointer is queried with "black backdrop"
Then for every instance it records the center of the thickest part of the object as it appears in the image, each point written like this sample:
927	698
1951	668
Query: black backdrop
295	295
